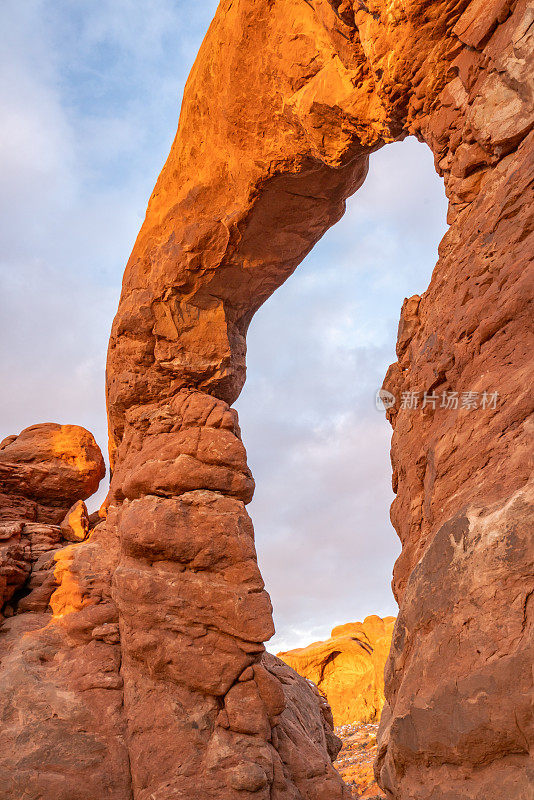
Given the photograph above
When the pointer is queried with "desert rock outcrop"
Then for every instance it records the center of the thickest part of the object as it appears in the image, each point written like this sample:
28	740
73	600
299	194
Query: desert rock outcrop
124	673
348	668
43	471
150	679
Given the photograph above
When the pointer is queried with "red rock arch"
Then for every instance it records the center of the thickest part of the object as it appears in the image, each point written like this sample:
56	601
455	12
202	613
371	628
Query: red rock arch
285	103
283	107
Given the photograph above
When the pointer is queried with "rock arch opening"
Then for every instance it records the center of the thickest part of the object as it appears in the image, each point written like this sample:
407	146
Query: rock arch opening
231	217
318	350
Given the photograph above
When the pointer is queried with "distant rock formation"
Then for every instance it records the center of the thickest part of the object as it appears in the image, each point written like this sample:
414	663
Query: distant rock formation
348	668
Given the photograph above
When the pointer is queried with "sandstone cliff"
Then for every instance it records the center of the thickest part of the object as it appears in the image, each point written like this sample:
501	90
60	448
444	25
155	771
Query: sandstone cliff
148	681
348	668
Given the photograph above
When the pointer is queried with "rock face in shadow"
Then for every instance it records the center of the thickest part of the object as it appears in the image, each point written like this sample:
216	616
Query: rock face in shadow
148	681
348	668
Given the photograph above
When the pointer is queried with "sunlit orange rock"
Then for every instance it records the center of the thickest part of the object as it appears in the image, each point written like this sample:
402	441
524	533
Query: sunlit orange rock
164	606
75	526
348	668
43	471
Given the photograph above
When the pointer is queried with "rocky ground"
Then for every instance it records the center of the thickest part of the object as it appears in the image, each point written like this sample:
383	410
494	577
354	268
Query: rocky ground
355	760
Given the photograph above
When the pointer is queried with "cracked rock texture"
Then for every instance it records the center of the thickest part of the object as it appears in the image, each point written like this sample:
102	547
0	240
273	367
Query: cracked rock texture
149	680
348	668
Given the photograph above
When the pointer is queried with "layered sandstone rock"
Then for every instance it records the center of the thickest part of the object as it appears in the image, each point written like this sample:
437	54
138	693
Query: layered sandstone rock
203	711
148	680
458	721
348	668
61	695
43	471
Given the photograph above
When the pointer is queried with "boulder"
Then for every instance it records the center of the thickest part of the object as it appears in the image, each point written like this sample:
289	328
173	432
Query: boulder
44	471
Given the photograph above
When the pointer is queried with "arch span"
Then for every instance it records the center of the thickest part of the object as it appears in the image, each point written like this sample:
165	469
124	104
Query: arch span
283	107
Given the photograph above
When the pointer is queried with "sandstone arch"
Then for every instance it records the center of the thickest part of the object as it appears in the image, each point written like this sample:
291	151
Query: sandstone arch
285	103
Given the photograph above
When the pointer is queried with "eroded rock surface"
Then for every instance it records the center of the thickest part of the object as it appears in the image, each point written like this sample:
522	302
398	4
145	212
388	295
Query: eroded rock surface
149	676
203	712
348	668
43	471
144	673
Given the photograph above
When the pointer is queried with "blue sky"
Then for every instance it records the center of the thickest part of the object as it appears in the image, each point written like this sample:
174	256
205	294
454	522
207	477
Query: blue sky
90	96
